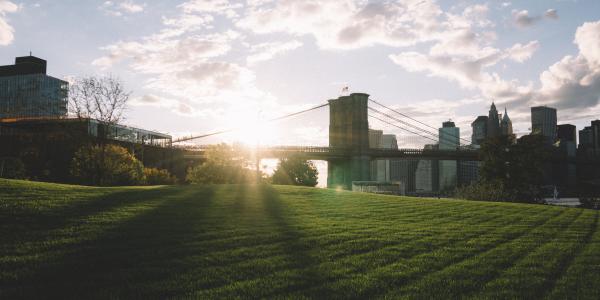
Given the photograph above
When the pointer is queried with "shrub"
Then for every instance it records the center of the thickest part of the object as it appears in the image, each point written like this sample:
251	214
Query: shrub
224	164
12	168
155	176
295	171
106	166
485	191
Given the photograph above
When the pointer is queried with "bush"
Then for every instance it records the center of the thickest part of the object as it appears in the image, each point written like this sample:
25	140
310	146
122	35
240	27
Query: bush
590	202
106	166
224	164
12	168
485	191
155	176
295	171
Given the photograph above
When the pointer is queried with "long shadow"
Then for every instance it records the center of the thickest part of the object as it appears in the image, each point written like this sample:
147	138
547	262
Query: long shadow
295	248
127	258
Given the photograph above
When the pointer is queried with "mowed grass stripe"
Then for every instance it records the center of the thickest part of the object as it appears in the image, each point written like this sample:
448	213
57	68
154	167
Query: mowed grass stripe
336	268
398	277
536	273
353	274
582	275
243	241
471	274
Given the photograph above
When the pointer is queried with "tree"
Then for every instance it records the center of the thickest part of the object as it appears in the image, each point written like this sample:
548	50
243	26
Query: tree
103	99
12	168
154	176
119	168
224	164
295	171
517	167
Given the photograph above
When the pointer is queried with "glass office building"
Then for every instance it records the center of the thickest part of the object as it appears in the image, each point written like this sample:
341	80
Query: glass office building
26	92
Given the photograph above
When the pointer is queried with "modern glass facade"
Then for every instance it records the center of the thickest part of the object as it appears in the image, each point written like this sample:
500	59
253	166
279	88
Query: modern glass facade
26	92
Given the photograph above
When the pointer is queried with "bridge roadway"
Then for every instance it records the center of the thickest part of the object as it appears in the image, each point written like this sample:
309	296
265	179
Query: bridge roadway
331	153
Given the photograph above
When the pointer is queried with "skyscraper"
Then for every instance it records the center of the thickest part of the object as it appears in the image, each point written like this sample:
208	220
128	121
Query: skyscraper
493	124
449	140
27	92
449	136
479	130
506	124
589	139
543	122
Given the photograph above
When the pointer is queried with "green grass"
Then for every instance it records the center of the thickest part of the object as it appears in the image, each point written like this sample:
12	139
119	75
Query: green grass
60	241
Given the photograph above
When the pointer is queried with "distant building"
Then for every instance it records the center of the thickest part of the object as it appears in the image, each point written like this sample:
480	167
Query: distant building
567	132
543	121
567	136
449	139
506	125
27	92
479	127
427	174
449	136
589	139
403	170
381	168
493	123
375	139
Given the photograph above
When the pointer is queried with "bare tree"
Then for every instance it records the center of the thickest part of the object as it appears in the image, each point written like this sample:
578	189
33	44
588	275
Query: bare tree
103	99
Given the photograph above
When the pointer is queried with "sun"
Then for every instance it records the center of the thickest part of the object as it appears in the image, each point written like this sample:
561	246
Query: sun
252	131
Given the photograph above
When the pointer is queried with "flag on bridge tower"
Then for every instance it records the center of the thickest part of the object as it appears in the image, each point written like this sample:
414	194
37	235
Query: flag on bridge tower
345	91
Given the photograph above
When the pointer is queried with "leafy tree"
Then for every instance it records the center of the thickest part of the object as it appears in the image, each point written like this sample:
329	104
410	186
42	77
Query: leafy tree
224	164
119	167
516	168
12	168
295	171
156	176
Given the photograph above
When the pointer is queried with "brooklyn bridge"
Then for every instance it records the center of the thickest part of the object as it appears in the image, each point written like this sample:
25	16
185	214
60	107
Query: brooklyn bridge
349	154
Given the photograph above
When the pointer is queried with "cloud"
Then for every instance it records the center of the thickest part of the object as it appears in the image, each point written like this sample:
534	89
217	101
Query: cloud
521	53
344	24
266	51
521	18
223	7
574	81
188	69
6	30
120	7
551	14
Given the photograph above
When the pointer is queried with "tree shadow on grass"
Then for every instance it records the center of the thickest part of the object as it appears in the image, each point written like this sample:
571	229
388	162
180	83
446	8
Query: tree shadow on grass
128	254
297	249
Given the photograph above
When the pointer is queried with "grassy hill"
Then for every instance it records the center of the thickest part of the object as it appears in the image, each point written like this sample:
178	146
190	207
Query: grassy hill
259	241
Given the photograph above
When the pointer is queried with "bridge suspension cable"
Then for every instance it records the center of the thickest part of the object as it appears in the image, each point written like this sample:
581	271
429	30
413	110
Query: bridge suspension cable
422	131
415	120
408	130
185	139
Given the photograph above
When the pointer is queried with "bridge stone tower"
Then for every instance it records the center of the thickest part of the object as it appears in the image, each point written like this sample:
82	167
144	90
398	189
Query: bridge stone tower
349	134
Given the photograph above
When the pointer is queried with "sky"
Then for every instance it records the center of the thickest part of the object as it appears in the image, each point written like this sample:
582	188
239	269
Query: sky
199	66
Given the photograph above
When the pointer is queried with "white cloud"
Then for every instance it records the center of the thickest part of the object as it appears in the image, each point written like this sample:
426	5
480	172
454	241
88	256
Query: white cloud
186	63
551	13
574	81
6	30
521	53
120	7
345	24
223	7
521	18
266	51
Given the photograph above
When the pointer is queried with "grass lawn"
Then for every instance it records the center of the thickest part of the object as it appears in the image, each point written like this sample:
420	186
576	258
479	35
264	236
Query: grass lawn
59	241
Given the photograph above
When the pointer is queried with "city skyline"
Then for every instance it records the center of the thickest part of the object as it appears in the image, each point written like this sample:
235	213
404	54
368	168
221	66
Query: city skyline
200	66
